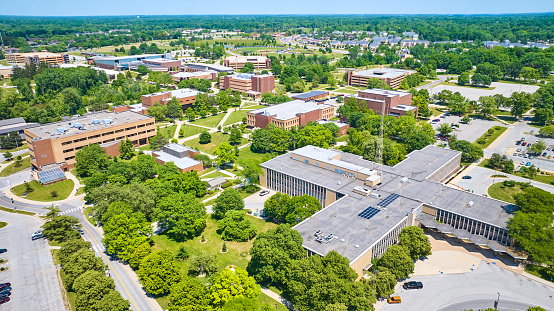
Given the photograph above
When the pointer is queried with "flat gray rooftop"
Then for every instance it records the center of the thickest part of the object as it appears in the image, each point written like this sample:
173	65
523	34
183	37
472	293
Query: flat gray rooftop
383	72
182	163
289	110
50	130
386	93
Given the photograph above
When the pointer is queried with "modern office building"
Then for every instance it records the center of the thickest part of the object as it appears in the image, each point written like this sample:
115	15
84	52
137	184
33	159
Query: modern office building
395	103
249	83
124	62
208	74
365	205
192	67
181	156
15	125
186	97
286	115
237	62
312	95
57	143
22	59
391	76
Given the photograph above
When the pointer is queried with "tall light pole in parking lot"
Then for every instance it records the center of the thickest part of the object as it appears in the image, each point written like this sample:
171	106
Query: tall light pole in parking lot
496	302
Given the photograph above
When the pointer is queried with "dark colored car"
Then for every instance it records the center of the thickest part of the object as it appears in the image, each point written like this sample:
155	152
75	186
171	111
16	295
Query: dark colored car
6	289
413	285
5	299
3	250
466	177
4	285
5	293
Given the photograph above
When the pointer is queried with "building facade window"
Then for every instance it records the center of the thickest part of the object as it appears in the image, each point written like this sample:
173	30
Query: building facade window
294	186
474	226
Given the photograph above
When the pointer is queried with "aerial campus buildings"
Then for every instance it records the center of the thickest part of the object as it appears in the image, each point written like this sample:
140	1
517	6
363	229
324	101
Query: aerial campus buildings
251	84
238	62
387	102
366	205
22	59
293	113
391	76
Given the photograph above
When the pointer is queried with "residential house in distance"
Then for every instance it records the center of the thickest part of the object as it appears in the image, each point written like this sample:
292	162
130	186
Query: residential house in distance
312	95
395	103
237	62
293	113
508	44
391	76
181	156
412	43
411	35
22	59
366	204
57	143
249	83
185	96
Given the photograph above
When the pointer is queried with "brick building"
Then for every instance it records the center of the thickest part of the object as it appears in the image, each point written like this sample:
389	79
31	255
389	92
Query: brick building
248	83
170	64
396	103
22	59
286	115
312	95
186	97
391	76
57	143
181	156
237	62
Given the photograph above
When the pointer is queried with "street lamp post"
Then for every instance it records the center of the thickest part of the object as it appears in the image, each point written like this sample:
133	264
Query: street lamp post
496	302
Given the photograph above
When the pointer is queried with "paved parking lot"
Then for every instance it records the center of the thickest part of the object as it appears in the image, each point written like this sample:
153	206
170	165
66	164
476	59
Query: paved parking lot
477	290
471	93
255	202
470	132
31	270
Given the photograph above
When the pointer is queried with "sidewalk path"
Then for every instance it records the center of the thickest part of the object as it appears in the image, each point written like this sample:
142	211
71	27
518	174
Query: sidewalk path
277	297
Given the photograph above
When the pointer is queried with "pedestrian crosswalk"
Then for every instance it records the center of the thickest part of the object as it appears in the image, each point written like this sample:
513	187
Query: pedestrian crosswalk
75	209
98	248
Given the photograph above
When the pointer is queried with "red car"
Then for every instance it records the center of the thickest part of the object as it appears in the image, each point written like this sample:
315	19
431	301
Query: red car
4	300
524	144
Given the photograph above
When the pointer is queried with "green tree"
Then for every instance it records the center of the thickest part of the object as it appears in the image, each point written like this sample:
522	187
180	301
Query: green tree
158	141
229	284
71	247
538	148
444	129
277	207
189	294
236	227
487	105
203	263
174	108
384	282
228	200
250	172
205	159
142	69
158	111
543	116
417	243
90	288
470	152
61	228
80	262
139	254
235	137
463	79
8	156
301	207
182	215
158	273
225	154
534	233
126	149
112	301
123	234
248	67
520	103
90	159
397	260
205	138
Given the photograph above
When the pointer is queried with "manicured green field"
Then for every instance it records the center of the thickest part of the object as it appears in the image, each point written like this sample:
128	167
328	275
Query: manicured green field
489	138
500	192
217	138
190	130
234	117
211	121
11	169
44	193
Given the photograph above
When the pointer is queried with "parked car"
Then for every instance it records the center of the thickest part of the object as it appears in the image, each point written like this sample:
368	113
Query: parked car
522	163
413	285
526	155
264	192
6	289
528	164
4	285
5	293
531	157
548	149
518	142
523	143
4	300
318	232
3	250
329	237
520	155
436	120
36	236
544	154
518	150
522	138
466	177
536	141
394	299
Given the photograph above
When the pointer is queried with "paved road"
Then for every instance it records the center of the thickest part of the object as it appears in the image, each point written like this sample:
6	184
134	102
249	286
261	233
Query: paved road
31	272
15	153
476	290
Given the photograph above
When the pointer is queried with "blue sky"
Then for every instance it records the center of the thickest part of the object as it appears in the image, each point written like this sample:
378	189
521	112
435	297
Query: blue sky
220	7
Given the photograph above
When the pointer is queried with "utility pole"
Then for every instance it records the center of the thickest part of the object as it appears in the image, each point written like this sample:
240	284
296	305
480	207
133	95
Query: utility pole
496	302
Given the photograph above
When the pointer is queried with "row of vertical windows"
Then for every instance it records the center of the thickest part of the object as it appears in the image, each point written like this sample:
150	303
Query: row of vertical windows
474	226
293	186
389	239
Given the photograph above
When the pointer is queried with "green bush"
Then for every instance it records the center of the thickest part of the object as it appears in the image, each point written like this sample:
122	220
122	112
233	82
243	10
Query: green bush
226	185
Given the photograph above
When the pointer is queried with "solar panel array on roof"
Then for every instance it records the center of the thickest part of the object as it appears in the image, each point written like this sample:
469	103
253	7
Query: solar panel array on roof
50	175
368	212
388	200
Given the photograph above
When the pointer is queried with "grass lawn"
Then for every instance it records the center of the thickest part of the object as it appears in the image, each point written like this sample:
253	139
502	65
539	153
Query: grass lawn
11	169
470	86
238	252
3	224
43	193
489	138
255	49
253	107
346	91
246	154
500	192
217	138
88	210
342	138
190	130
169	131
209	121
214	175
234	117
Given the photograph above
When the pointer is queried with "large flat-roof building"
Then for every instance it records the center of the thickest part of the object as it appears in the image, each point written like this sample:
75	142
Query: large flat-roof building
186	97
124	62
22	59
366	205
58	142
391	76
237	62
15	125
293	113
208	74
395	103
192	67
249	83
312	95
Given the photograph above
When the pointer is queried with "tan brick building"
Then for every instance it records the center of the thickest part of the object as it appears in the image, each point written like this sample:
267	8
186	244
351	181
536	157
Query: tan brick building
237	62
22	59
391	76
186	97
246	82
57	143
396	103
289	114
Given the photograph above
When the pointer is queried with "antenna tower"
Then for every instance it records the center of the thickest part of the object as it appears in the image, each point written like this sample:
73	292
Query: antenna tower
380	148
